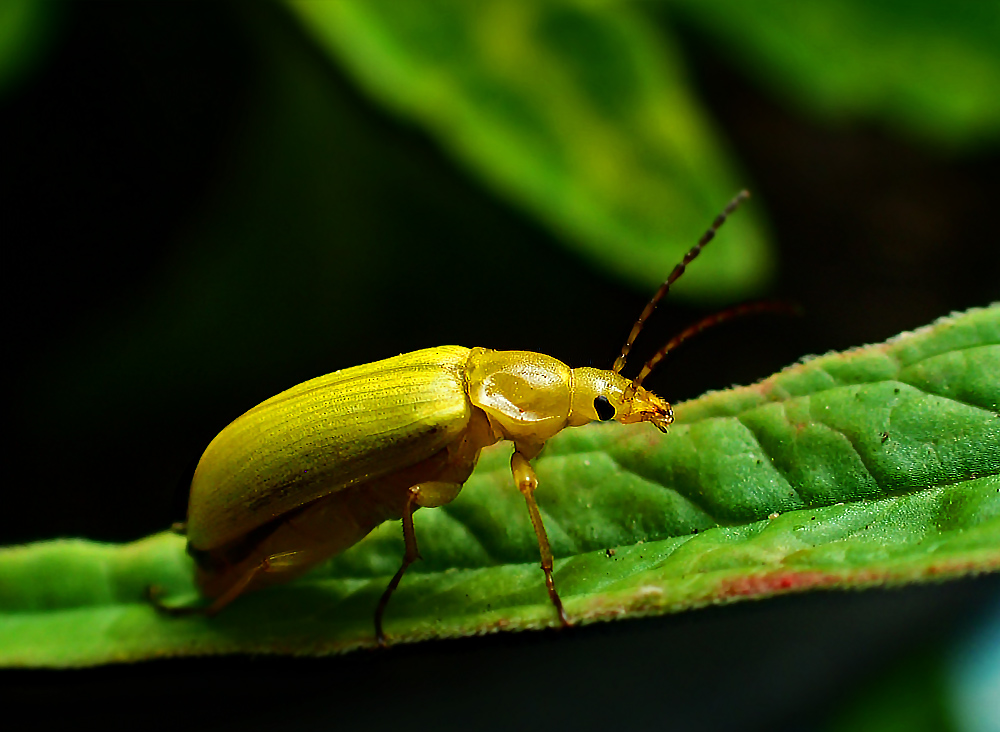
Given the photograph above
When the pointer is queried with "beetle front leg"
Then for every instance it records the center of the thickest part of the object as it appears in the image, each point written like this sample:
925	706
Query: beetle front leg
527	482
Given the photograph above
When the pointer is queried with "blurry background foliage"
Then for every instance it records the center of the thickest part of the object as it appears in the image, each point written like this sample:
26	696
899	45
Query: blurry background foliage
206	203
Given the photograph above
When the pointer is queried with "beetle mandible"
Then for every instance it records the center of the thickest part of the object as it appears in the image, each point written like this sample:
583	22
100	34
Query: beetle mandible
308	473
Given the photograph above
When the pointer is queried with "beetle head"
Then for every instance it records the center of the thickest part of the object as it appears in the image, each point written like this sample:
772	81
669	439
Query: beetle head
605	395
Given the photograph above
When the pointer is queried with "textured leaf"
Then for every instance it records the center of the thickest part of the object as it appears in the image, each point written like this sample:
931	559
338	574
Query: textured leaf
879	465
576	111
927	66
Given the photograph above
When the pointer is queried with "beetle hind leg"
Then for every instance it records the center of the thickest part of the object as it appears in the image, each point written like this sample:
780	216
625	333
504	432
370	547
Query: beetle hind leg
276	562
154	596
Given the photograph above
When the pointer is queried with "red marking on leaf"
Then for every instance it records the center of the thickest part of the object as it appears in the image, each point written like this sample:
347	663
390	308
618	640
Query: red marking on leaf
772	582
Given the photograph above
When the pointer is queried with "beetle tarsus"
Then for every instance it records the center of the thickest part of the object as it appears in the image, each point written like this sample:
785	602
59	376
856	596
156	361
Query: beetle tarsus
384	600
550	585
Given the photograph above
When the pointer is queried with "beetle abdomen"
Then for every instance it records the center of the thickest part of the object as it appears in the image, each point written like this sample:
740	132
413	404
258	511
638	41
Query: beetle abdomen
345	428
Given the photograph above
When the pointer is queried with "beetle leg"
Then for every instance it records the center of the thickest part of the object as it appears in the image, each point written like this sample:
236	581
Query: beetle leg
527	482
235	590
429	495
412	554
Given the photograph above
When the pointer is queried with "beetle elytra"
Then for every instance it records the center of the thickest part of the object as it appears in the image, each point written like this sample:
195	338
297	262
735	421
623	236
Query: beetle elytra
308	473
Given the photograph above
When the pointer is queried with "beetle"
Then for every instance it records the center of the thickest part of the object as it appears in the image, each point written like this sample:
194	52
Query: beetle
308	473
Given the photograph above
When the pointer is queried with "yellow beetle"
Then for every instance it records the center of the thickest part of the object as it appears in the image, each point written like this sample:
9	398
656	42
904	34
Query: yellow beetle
311	471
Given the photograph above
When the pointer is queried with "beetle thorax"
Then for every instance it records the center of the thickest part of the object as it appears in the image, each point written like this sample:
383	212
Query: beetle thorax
525	395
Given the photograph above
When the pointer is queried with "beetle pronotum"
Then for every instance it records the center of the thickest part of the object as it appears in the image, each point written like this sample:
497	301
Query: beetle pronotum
308	473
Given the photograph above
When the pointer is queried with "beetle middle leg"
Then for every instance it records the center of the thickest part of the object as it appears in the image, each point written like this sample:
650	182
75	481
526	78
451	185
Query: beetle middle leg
428	495
527	482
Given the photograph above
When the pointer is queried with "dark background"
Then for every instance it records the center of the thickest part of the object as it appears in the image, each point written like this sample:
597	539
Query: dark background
144	314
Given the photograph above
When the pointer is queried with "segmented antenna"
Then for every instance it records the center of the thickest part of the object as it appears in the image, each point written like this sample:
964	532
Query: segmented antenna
737	311
678	271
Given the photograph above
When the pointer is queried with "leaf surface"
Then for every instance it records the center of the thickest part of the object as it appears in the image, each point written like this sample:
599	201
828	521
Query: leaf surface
876	466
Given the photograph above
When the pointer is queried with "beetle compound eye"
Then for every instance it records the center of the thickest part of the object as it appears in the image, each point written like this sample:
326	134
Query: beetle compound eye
604	409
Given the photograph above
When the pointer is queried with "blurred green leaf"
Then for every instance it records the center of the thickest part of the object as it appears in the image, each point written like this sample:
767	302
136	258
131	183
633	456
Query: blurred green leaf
929	67
26	30
580	112
880	465
910	697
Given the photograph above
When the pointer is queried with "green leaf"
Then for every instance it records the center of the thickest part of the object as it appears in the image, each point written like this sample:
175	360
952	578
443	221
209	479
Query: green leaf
929	67
912	696
576	111
875	466
27	30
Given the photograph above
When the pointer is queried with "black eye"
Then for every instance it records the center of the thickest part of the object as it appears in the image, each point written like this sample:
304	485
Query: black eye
604	409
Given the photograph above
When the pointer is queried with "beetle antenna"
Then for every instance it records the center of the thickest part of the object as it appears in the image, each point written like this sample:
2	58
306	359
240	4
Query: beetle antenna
678	271
737	311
